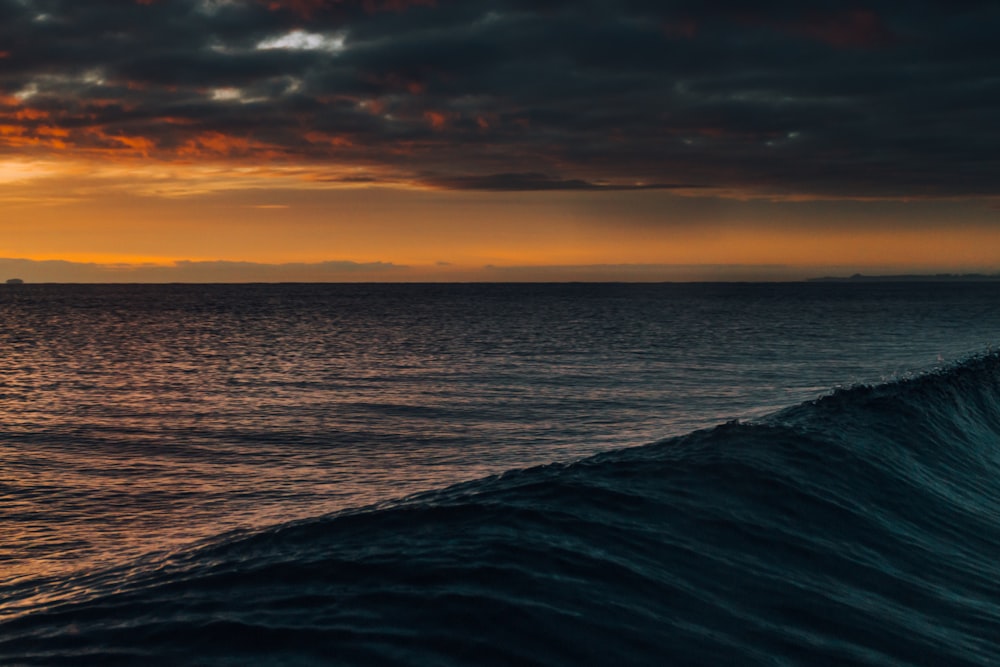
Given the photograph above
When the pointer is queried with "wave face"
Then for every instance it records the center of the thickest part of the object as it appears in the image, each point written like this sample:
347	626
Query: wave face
862	528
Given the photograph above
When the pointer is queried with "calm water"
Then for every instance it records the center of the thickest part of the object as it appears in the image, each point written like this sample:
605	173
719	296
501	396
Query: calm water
138	420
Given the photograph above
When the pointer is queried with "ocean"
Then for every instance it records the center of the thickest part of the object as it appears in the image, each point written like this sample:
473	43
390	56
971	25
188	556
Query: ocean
500	474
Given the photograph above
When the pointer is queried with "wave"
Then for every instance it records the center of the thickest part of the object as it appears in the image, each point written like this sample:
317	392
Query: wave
860	528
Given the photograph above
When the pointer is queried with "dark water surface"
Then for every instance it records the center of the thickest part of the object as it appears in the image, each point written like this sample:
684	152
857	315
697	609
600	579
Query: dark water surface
170	457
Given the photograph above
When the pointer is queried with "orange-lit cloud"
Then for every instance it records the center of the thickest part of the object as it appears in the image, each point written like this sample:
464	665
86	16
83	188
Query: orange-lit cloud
437	119
511	88
30	114
328	139
495	132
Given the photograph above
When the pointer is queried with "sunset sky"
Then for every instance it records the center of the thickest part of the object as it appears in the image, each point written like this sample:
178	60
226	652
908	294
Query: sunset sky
232	140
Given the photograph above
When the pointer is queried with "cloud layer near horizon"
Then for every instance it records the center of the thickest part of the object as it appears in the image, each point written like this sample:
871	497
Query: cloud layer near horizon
838	99
218	271
222	271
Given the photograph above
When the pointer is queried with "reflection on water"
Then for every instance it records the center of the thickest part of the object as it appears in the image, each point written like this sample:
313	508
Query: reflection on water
139	418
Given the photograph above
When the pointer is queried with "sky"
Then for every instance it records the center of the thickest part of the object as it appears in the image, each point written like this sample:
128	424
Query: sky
402	140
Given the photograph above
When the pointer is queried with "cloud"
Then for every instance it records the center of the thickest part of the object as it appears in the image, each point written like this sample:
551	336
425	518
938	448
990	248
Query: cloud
833	98
34	271
187	271
521	182
644	273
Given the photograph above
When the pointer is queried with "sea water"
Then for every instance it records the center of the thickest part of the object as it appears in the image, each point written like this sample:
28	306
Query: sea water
500	474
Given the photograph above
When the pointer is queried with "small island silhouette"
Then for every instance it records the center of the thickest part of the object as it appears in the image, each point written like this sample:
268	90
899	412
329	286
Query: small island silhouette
15	281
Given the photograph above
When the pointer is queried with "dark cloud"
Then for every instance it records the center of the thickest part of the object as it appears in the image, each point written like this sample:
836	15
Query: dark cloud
534	181
827	98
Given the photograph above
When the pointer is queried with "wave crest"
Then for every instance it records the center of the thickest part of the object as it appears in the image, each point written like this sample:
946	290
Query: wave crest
861	528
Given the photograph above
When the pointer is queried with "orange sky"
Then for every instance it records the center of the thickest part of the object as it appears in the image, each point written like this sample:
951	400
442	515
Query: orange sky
135	214
484	140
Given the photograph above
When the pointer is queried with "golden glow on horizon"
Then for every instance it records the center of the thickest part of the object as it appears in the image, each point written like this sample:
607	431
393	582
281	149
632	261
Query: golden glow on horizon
141	212
915	250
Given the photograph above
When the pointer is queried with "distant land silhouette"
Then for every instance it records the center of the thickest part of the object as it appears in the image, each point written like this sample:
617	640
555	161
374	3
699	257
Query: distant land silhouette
912	277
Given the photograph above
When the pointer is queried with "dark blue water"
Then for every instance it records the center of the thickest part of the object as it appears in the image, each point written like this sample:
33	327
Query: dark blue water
189	475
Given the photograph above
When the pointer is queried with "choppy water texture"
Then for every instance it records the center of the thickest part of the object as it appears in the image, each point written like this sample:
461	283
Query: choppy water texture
187	472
